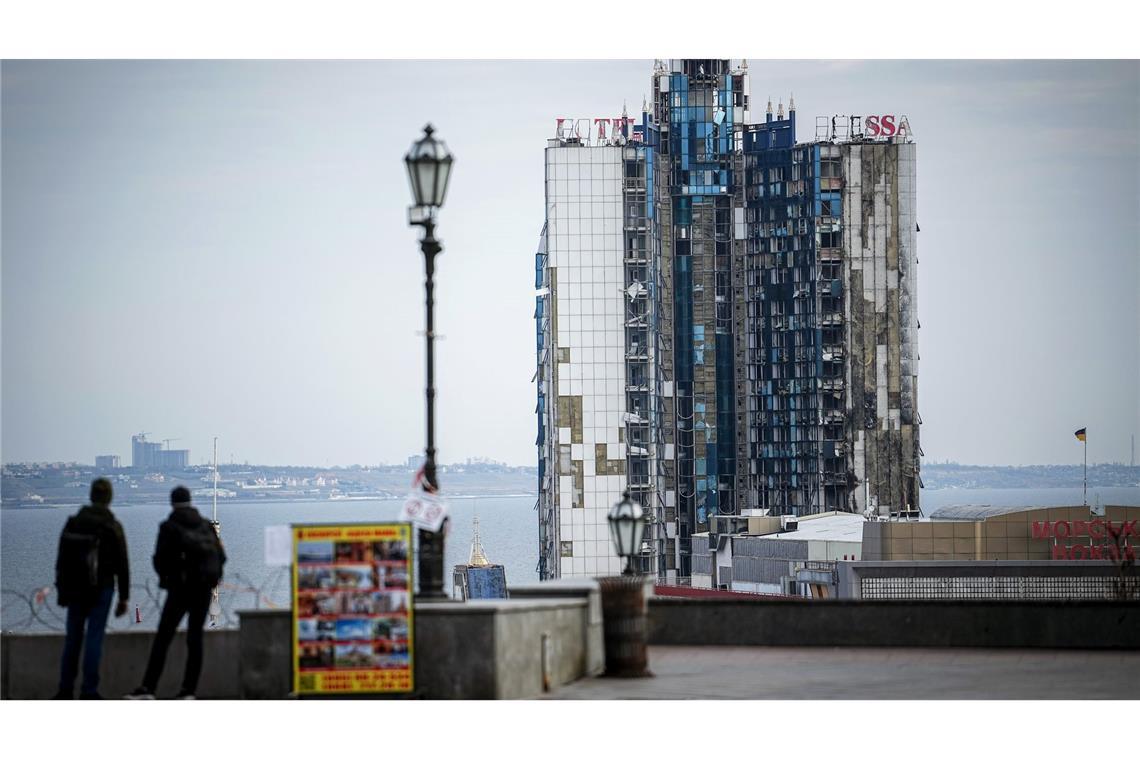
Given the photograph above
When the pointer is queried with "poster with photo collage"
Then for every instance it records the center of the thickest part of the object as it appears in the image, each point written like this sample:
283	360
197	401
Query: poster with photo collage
352	608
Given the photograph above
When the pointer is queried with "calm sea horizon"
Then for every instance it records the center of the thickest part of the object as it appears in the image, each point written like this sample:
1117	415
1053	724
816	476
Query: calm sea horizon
508	532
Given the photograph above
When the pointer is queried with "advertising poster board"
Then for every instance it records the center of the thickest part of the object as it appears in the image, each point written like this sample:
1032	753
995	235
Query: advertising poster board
352	609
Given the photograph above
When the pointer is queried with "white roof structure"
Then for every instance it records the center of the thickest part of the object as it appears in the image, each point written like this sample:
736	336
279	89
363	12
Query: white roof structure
834	526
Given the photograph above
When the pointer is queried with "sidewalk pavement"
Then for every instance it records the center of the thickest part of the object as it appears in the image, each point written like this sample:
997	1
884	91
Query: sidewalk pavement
716	672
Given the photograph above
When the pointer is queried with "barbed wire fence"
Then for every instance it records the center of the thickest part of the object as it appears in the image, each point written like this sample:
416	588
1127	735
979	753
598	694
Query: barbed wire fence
38	610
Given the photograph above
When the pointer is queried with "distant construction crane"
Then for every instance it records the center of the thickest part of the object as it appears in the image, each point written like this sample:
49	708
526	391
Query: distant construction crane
166	441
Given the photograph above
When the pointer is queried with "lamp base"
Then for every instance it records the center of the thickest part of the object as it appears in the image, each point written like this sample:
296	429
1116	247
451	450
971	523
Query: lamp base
625	625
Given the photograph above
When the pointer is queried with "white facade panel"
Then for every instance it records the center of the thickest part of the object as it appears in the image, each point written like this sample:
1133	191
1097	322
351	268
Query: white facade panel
584	212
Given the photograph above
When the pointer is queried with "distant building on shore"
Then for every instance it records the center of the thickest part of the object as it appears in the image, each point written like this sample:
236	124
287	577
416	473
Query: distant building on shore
108	462
146	455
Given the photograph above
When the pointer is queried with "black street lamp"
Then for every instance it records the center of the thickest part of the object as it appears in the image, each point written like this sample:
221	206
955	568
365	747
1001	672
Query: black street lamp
429	168
627	522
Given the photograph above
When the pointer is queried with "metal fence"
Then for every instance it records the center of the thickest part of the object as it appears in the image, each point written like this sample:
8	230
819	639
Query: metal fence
37	609
1072	587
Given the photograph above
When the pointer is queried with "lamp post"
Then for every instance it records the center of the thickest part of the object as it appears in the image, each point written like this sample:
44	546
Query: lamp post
429	168
624	607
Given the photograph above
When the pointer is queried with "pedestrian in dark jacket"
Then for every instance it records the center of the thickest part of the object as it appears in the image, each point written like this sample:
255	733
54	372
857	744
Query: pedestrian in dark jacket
88	604
188	558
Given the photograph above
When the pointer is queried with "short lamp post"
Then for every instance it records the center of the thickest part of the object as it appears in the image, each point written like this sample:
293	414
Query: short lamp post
625	611
627	523
429	168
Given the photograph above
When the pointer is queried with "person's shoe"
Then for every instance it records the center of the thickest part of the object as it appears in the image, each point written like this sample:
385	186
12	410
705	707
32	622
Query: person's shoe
92	695
141	692
64	695
185	695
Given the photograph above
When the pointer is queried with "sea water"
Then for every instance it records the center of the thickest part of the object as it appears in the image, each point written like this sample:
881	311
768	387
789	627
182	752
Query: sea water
508	532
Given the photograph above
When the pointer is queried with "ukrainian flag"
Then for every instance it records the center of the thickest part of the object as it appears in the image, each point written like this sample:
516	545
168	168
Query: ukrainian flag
1080	434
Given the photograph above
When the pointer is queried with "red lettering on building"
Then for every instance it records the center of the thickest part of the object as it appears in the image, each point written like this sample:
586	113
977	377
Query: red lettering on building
1060	552
1042	530
1128	528
1059	525
872	123
1096	529
888	125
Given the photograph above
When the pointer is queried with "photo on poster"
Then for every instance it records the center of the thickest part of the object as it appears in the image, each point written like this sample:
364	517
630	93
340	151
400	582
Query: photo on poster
353	551
355	576
314	551
306	629
358	603
390	551
353	628
395	577
354	656
315	577
317	655
326	630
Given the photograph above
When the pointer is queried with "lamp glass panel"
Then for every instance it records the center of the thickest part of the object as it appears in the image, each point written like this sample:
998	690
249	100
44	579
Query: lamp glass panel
426	171
443	176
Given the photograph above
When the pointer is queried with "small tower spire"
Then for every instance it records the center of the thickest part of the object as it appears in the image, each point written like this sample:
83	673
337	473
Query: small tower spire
769	105
477	558
792	103
780	110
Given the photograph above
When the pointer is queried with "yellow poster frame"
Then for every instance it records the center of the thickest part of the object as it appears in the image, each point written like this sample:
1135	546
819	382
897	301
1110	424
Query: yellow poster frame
349	681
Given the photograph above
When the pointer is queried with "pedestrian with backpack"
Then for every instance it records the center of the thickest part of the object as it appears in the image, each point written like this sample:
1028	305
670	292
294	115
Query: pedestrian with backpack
92	556
188	558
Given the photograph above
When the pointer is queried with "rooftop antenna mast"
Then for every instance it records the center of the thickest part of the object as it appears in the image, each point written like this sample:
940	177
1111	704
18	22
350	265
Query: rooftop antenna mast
215	601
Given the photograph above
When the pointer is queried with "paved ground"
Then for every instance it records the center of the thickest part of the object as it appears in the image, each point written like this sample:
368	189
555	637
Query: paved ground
871	673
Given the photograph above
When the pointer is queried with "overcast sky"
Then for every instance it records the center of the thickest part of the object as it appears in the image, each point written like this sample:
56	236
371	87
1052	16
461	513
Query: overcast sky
195	249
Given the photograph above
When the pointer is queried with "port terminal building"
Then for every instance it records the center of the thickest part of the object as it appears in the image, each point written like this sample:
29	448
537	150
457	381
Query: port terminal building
962	552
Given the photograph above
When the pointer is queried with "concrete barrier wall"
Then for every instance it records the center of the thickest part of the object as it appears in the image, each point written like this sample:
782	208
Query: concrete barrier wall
502	649
830	623
29	664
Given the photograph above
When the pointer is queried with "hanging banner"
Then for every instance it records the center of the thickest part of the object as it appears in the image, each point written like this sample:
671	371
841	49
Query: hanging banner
352	609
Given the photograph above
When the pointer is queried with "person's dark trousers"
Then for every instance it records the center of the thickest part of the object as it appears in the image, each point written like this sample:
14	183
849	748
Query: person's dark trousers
196	603
94	618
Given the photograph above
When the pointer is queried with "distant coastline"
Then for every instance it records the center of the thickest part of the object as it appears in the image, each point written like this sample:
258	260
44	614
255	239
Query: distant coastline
66	484
27	486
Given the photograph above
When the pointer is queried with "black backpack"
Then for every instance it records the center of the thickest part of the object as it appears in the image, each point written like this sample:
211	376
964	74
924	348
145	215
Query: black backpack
202	556
77	570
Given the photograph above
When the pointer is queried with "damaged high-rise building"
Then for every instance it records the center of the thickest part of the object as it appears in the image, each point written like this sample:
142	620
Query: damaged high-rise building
726	320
